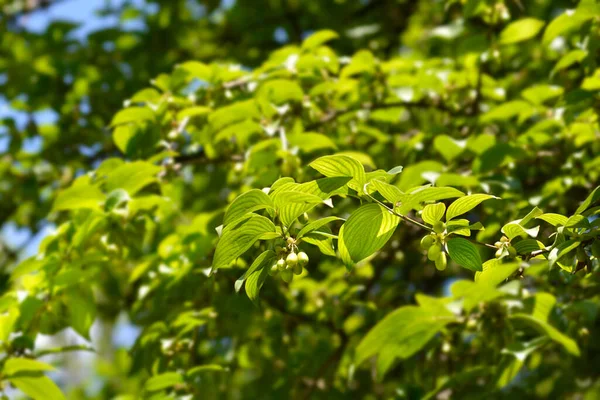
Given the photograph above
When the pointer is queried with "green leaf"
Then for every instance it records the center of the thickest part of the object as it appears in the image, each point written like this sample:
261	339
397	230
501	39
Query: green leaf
14	366
240	131
538	94
473	293
510	366
285	198
362	62
592	83
257	278
543	327
518	31
115	199
494	272
296	199
396	170
7	323
589	201
197	70
291	204
37	387
577	221
544	303
309	142
233	113
448	147
132	177
281	91
248	202
561	250
506	111
413	199
389	192
514	229
82	312
341	166
314	225
163	381
206	368
193	112
322	240
527	246
318	38
365	232
563	24
82	195
123	135
414	175
132	115
236	241
263	259
465	254
403	332
553	219
531	215
572	57
433	213
460	227
466	204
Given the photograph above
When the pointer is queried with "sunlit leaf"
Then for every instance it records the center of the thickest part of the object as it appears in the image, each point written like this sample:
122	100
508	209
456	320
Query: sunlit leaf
365	232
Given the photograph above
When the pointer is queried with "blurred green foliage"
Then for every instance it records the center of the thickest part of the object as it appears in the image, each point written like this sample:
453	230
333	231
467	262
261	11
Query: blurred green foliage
422	176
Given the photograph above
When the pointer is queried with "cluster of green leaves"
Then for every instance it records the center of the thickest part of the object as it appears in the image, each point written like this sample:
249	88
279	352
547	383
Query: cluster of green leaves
227	170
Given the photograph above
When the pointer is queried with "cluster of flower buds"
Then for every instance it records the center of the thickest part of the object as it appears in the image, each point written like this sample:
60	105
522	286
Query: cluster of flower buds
289	264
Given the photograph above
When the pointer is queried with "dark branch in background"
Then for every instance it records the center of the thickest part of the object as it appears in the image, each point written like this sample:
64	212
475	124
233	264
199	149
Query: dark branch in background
201	158
335	114
332	360
29	7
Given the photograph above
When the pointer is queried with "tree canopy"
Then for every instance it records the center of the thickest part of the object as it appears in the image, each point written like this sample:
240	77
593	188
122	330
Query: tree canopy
285	199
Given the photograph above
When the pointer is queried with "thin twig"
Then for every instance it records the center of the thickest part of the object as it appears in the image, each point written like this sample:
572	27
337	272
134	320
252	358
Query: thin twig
404	217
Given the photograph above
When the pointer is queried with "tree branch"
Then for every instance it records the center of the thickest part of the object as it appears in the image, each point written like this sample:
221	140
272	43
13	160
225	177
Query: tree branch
335	114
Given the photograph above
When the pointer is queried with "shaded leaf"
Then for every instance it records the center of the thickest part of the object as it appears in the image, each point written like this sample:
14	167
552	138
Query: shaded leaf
235	242
543	327
314	225
465	254
163	381
403	332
